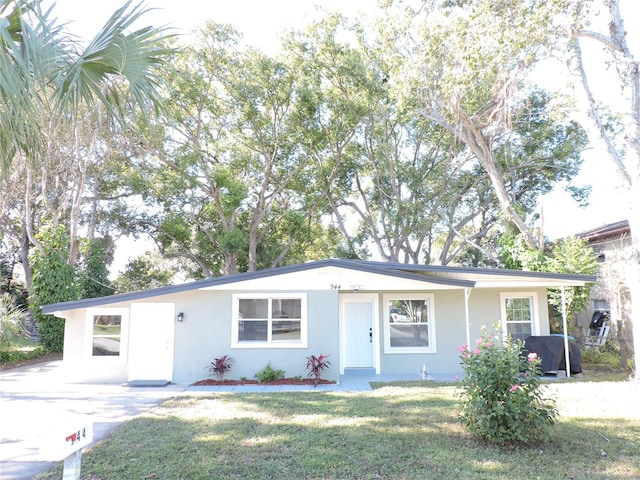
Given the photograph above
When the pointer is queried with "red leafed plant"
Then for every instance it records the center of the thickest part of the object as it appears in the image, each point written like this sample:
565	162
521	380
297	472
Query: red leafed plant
316	366
220	366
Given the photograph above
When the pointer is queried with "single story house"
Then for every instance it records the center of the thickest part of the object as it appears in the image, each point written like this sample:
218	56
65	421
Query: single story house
384	318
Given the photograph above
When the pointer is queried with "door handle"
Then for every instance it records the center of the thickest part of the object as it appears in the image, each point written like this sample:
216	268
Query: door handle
371	335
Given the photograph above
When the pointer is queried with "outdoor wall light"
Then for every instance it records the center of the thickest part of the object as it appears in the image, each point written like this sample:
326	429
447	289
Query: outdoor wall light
180	317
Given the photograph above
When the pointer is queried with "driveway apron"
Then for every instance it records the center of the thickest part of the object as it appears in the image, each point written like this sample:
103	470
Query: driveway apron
33	398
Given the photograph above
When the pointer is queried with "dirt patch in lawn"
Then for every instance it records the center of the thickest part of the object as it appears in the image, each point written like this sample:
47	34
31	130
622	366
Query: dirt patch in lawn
282	381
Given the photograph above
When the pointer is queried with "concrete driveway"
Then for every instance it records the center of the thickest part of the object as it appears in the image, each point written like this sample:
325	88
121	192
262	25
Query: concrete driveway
32	398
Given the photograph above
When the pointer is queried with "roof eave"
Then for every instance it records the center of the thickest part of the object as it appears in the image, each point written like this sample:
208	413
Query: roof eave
404	271
562	277
241	277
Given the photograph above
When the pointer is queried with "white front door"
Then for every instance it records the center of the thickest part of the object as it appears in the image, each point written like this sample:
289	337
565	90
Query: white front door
359	337
151	329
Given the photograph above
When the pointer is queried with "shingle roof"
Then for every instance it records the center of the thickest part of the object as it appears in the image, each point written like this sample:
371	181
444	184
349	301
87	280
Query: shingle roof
604	231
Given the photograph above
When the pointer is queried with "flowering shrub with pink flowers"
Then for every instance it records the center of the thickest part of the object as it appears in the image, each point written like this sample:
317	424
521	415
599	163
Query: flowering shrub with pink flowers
501	399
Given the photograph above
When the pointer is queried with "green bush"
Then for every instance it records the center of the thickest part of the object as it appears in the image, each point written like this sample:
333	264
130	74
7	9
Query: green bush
501	400
600	358
269	374
51	330
54	280
12	318
15	356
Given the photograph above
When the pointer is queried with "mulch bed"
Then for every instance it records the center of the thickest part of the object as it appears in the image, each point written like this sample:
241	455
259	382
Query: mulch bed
282	381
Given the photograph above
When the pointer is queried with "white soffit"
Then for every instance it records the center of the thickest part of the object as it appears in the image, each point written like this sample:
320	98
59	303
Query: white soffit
333	278
527	283
487	280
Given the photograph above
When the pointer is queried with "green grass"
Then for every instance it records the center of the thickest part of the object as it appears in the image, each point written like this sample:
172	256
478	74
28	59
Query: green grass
18	342
106	329
392	432
18	350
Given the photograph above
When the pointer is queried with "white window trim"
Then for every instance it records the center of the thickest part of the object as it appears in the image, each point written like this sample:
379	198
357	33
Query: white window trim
124	333
388	349
236	297
535	323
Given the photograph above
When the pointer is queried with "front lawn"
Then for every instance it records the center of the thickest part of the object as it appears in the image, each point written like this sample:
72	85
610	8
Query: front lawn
392	432
20	351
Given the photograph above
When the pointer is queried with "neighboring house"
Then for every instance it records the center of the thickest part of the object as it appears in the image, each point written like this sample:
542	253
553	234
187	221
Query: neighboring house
342	308
612	244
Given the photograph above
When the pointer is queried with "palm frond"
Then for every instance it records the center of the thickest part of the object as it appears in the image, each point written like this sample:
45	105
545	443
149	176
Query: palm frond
42	71
116	54
20	49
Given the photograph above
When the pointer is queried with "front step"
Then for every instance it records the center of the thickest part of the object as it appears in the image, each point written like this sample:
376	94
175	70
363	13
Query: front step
360	371
146	383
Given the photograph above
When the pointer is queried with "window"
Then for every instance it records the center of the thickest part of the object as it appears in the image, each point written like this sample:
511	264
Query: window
601	305
269	321
519	314
409	324
107	332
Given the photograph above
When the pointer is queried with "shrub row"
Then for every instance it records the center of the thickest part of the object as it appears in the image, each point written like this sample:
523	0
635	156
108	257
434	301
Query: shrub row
315	368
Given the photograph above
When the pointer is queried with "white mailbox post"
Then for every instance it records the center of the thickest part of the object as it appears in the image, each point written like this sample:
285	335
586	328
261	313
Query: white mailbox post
65	440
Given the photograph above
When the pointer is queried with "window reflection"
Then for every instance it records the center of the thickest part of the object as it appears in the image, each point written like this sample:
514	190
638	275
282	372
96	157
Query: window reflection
519	317
107	332
409	323
409	335
269	319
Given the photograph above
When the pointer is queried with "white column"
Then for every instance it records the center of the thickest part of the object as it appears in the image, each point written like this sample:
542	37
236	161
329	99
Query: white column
467	292
567	363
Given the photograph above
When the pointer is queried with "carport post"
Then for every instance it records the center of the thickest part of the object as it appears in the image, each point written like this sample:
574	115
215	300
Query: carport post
567	364
467	292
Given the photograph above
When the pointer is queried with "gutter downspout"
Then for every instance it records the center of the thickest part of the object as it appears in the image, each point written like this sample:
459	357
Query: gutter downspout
567	363
467	293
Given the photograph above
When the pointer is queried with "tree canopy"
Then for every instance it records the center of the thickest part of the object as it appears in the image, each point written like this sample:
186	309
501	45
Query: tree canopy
413	137
43	69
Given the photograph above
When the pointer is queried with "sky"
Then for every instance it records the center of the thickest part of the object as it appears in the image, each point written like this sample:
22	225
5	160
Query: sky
261	23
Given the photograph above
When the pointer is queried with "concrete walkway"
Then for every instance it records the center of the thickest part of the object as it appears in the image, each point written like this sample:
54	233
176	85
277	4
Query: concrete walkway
348	383
34	398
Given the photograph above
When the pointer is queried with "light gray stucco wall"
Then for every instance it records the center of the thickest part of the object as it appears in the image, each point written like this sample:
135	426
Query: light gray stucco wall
206	334
450	330
484	309
450	325
201	335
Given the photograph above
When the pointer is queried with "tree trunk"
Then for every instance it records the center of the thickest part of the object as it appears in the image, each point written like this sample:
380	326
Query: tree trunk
24	258
612	37
470	133
633	278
